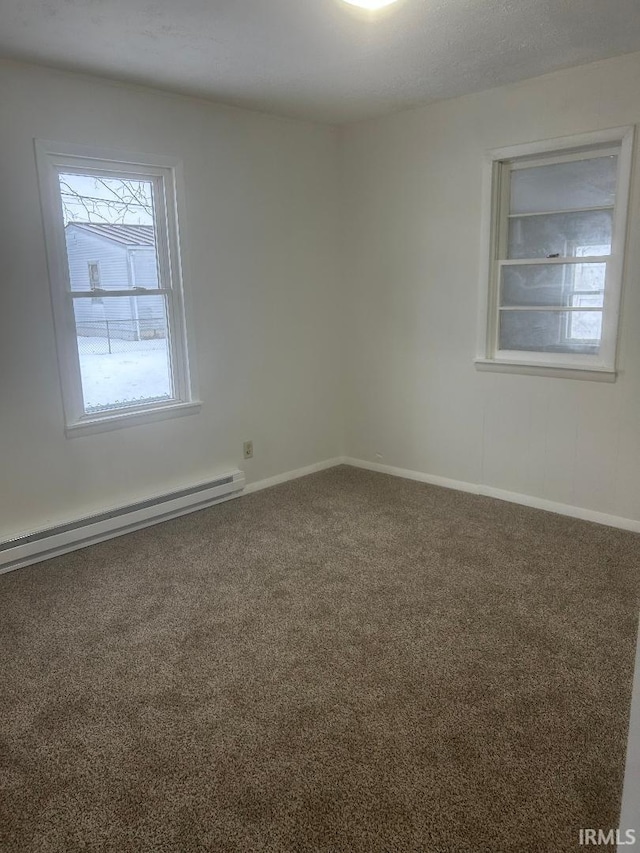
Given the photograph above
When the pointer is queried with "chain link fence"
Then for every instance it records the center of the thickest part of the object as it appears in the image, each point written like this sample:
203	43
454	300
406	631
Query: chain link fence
105	336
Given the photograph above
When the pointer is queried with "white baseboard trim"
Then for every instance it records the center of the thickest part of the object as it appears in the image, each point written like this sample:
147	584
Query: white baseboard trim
407	474
564	509
258	485
36	546
501	494
43	544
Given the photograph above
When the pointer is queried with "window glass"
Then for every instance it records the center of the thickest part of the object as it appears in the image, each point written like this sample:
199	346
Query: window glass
554	284
123	352
123	341
564	186
556	246
551	331
560	234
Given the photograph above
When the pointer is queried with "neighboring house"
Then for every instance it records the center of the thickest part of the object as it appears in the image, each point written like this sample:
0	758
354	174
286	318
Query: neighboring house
105	256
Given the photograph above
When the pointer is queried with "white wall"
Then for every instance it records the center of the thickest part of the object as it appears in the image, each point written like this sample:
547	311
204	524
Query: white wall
412	186
262	281
332	276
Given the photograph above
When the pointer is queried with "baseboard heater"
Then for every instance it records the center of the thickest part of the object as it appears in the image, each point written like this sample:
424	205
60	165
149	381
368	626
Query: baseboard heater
43	544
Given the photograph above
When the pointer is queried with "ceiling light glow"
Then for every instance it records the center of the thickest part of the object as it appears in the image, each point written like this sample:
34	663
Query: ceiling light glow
370	4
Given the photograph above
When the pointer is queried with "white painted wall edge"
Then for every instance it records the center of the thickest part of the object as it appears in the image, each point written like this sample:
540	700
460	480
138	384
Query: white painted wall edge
630	813
501	494
293	475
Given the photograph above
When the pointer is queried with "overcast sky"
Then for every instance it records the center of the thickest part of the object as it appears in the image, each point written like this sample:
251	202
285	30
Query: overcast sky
101	200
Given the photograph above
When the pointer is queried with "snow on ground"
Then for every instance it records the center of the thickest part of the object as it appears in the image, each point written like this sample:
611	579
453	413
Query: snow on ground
133	371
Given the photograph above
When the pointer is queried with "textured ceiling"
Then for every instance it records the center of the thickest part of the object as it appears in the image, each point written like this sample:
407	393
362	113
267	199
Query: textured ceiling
318	59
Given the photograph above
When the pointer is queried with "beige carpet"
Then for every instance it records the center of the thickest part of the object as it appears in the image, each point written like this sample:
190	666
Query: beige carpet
348	663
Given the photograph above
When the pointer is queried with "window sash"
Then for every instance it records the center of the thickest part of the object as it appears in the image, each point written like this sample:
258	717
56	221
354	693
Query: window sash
500	162
561	309
128	291
551	157
54	158
595	208
562	261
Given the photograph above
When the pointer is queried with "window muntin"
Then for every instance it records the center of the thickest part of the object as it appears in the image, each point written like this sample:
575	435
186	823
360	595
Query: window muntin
557	241
111	228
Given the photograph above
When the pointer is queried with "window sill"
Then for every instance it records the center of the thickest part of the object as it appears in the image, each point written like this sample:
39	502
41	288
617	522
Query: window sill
89	425
559	371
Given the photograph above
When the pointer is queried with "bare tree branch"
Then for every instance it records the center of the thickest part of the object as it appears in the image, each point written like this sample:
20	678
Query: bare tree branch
130	198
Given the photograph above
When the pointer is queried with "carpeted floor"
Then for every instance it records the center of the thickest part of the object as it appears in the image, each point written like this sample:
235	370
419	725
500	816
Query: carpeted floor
348	663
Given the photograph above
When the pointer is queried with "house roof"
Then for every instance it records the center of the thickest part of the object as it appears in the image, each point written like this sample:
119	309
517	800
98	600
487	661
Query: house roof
126	235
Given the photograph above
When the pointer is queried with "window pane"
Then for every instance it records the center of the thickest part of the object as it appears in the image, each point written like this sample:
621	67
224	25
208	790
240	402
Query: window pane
585	325
567	235
551	331
124	351
109	225
553	284
564	186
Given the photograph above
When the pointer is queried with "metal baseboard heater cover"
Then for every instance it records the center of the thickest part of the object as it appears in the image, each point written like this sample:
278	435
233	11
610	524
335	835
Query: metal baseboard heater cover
53	541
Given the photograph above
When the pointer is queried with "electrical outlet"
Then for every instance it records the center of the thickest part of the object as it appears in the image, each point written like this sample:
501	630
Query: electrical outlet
247	449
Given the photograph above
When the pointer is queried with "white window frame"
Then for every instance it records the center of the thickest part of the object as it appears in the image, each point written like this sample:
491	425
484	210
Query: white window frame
498	164
165	173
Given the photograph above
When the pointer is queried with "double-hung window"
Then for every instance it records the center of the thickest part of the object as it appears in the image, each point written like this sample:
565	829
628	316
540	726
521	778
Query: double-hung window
111	228
556	240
